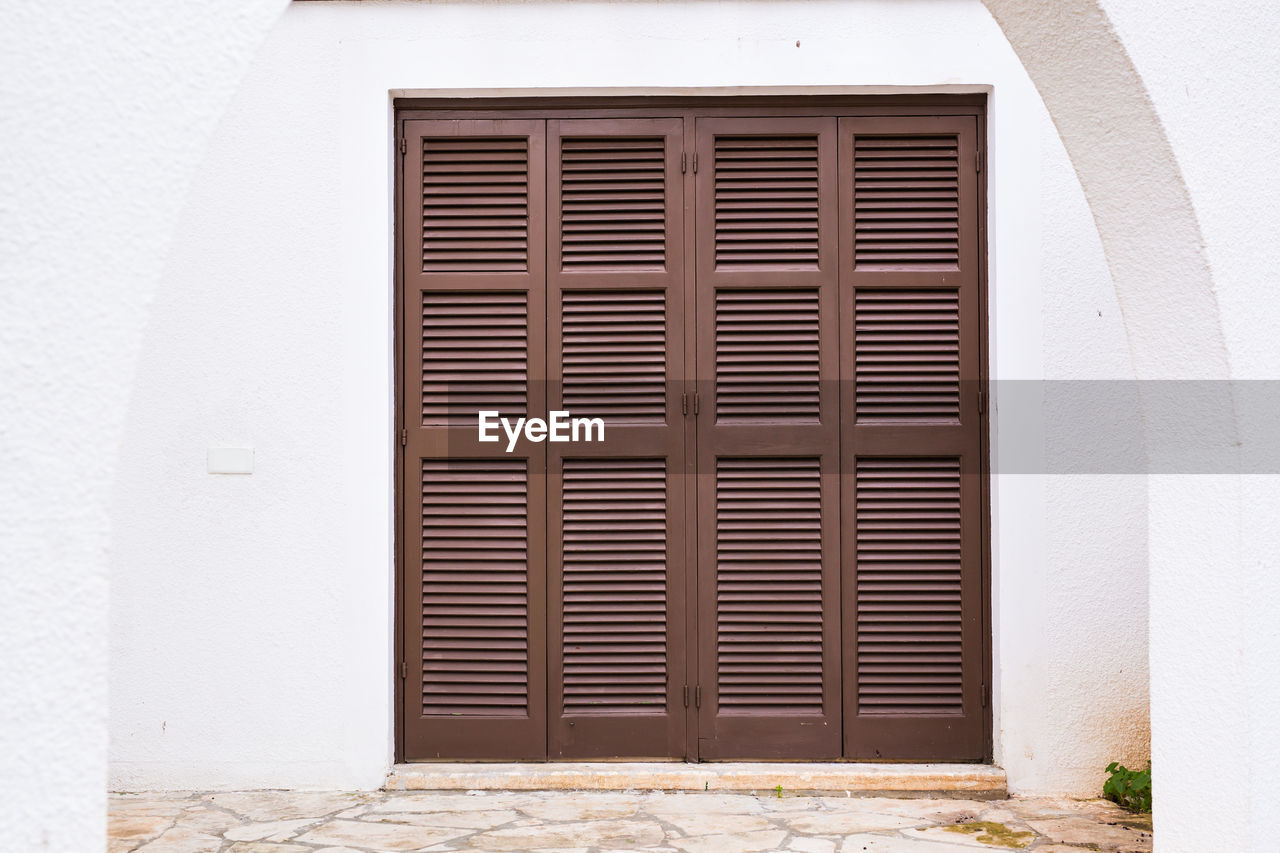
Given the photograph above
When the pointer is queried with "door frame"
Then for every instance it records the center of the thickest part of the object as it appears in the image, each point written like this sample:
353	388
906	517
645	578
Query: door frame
687	108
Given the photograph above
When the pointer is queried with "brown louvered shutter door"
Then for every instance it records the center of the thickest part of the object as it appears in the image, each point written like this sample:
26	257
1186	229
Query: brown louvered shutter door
910	370
767	438
474	516
616	510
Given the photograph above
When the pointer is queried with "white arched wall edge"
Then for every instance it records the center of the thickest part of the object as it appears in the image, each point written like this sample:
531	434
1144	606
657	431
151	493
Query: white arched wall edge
1158	289
1155	251
92	196
54	779
1130	176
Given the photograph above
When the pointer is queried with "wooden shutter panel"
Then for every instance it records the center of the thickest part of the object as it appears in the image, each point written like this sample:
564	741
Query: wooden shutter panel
769	625
474	529
768	360
906	353
766	205
911	438
475	204
613	354
614	589
768	439
475	587
616	510
909	568
906	210
613	194
475	354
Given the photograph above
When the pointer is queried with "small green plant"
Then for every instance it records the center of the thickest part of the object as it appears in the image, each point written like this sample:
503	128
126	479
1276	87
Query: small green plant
779	790
1131	789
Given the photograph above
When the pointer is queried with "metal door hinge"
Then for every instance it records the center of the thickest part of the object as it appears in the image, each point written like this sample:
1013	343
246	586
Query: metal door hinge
978	160
683	158
986	695
404	145
697	696
404	437
684	410
404	669
696	405
982	402
686	696
695	162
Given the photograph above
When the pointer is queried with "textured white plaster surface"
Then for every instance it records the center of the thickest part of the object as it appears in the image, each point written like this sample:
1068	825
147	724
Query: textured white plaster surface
276	305
1094	606
104	108
1215	646
257	646
1202	74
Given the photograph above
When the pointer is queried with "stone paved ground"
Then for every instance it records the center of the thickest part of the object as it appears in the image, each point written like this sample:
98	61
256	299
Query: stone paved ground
559	822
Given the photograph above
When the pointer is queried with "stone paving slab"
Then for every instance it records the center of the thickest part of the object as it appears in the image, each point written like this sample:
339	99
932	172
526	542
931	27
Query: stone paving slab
610	822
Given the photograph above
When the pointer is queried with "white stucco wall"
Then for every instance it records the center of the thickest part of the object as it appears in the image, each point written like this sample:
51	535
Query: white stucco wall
85	238
1215	643
251	639
103	111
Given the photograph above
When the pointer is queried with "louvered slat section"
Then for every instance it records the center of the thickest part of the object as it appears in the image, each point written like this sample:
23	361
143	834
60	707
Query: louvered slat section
906	200
907	355
475	594
475	204
767	360
615	586
766	201
474	355
615	355
613	203
908	586
769	586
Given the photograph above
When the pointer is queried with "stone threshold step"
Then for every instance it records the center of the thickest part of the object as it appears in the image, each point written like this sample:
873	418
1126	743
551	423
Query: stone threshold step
965	781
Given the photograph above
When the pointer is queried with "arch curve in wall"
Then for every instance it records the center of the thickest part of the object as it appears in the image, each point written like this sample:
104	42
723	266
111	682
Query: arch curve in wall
1131	179
1125	164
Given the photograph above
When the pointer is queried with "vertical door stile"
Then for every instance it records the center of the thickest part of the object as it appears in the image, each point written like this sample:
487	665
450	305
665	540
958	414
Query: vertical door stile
472	261
912	557
767	437
691	473
616	519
